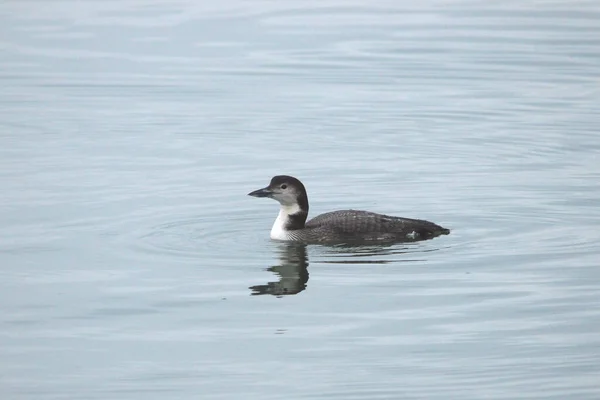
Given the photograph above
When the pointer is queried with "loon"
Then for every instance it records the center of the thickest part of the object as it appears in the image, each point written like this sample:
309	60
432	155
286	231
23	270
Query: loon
344	226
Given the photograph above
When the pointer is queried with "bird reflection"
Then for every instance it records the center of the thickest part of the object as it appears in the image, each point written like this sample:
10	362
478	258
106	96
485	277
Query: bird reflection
292	272
292	269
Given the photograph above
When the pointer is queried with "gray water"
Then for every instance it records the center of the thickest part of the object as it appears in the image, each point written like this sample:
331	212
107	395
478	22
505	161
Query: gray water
134	266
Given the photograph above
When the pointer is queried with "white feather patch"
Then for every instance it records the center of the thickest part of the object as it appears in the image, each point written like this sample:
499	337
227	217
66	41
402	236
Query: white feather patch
412	235
278	231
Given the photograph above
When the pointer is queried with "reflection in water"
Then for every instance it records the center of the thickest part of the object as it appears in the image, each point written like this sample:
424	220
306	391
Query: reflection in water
292	271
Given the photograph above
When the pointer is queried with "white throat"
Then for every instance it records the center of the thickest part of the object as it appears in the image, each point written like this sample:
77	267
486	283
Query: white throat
278	231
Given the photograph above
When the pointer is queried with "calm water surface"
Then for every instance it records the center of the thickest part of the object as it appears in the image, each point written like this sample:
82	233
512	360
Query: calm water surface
133	265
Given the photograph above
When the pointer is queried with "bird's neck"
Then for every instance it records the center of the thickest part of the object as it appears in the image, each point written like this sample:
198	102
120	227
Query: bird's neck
291	218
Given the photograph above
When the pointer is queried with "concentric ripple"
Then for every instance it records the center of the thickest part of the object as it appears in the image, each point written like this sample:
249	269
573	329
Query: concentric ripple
189	238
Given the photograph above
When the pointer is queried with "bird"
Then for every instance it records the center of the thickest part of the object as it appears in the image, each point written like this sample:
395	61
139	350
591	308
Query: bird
343	226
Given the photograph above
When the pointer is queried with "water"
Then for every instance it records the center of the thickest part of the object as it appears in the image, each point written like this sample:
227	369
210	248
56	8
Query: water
133	265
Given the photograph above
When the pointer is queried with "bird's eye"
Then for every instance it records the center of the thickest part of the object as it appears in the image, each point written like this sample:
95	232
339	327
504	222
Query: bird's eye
284	186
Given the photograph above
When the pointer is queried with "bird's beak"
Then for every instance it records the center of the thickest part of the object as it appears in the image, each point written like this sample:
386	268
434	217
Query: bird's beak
264	192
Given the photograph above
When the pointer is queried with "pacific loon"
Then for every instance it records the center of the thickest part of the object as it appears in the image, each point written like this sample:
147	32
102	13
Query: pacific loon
344	226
